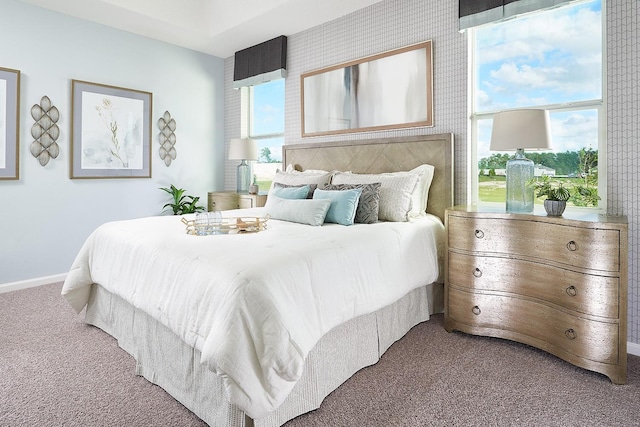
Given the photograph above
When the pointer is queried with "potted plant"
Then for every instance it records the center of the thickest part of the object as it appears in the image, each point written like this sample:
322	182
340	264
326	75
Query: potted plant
555	193
182	203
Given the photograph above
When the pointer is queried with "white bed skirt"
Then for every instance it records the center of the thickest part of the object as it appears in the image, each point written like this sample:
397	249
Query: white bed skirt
164	359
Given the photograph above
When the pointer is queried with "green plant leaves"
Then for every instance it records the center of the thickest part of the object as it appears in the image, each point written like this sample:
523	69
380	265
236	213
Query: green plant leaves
182	203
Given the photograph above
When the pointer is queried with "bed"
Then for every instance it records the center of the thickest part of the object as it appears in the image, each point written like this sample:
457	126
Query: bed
204	371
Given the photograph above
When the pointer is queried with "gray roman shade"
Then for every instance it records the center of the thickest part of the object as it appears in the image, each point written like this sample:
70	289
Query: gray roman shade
261	63
477	12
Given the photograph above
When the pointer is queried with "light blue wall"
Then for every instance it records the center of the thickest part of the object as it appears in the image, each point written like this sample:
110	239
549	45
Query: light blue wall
45	217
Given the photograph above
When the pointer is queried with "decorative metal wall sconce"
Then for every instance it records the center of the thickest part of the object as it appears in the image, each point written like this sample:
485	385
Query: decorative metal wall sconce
45	131
167	138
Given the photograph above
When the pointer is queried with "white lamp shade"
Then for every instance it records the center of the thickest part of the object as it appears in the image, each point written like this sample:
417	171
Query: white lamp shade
515	129
243	149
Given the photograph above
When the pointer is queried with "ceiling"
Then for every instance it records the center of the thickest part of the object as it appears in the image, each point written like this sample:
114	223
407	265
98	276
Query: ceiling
215	27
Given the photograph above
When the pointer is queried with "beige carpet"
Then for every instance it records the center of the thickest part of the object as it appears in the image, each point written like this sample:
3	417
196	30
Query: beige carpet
57	371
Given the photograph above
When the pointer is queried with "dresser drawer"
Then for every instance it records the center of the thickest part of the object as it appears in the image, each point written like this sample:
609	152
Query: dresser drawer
585	293
592	340
592	248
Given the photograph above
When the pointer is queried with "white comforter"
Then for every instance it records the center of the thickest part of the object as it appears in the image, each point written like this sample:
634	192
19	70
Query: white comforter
256	304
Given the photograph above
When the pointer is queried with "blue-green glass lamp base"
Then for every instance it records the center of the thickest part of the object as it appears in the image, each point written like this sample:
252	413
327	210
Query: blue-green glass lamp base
243	177
519	194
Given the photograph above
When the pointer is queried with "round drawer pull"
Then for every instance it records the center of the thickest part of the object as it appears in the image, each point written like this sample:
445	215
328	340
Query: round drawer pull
476	310
479	234
572	291
570	334
572	246
477	272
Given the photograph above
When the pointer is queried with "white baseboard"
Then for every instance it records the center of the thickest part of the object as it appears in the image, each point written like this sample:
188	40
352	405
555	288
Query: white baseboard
633	348
31	283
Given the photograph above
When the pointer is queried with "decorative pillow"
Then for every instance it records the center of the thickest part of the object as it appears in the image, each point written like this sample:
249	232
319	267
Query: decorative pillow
396	191
298	192
302	178
302	211
312	187
343	204
369	203
421	192
291	169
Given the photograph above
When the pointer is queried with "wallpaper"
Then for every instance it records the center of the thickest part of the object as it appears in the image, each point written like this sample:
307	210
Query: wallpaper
392	24
623	132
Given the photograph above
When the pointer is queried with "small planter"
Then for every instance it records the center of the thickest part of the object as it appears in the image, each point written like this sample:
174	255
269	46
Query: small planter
555	207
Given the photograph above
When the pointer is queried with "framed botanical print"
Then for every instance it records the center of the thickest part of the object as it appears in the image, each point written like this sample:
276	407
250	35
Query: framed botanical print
111	131
9	123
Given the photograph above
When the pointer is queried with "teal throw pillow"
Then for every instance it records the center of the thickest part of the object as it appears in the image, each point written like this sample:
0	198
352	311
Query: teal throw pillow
343	204
290	192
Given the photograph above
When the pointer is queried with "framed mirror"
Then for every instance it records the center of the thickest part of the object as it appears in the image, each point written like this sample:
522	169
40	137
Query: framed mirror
390	90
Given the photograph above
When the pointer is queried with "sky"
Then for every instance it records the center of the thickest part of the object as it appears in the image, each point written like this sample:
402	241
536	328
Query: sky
544	58
268	116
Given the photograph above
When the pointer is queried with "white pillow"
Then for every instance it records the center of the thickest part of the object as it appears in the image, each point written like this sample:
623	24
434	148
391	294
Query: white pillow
396	191
291	169
421	193
302	178
303	211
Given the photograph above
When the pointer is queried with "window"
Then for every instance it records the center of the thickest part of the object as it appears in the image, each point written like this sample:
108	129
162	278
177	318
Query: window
549	59
264	104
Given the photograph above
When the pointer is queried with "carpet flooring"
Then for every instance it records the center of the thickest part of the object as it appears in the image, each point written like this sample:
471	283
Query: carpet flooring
57	371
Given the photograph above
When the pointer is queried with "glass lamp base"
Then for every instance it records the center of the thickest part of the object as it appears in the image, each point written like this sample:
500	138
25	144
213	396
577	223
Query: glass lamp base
519	195
243	177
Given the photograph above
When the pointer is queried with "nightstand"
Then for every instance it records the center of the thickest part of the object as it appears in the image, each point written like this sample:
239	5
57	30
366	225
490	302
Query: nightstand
227	200
247	201
222	200
555	283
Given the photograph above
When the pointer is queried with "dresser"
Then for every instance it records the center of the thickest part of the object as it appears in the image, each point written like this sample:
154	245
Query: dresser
555	283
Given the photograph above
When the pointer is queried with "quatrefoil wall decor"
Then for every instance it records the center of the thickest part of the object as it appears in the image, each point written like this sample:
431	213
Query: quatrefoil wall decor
167	138
45	131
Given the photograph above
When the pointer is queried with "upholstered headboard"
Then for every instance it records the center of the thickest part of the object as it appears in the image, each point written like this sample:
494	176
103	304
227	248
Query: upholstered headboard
384	155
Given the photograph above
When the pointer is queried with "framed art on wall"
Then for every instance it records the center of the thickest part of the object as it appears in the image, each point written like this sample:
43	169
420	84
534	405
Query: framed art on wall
390	90
9	123
111	131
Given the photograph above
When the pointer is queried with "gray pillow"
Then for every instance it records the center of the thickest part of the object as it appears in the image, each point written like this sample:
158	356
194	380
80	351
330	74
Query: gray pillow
369	203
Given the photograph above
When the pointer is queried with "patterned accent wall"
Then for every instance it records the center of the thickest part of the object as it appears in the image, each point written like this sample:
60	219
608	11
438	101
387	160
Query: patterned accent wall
623	136
392	24
378	28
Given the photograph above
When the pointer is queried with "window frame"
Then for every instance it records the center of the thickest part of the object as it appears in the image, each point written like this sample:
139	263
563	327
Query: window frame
594	104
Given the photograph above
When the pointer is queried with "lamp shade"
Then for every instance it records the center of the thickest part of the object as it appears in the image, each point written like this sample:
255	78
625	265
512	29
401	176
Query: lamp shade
243	149
515	129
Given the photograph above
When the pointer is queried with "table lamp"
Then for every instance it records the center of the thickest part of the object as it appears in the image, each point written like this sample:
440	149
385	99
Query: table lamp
243	149
517	130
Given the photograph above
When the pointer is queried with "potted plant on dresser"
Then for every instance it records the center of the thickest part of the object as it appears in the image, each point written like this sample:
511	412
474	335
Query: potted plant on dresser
556	194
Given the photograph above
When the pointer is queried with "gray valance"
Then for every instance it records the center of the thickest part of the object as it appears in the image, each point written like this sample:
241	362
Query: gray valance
261	63
477	12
